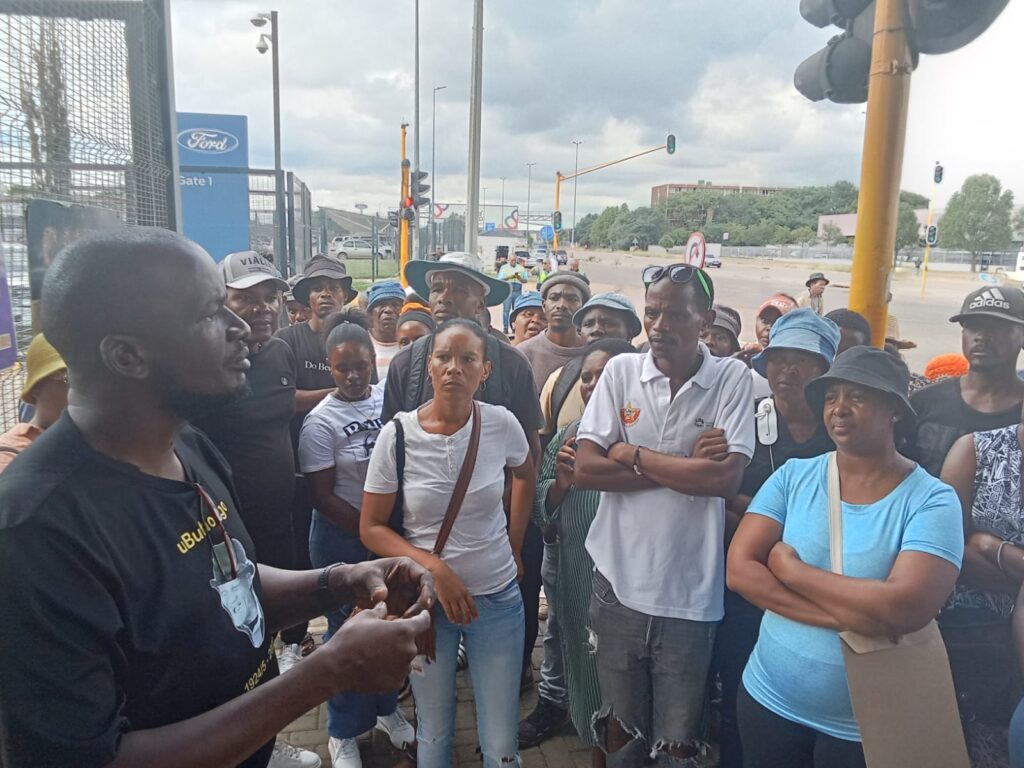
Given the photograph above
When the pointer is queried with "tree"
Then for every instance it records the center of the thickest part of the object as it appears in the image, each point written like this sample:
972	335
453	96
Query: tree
1018	224
804	235
831	234
45	106
583	227
977	218
908	229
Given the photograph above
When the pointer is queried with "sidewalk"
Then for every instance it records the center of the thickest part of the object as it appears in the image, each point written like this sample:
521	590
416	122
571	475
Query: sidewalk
562	751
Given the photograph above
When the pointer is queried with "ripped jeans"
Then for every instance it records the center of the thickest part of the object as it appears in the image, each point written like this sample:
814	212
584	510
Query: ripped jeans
653	673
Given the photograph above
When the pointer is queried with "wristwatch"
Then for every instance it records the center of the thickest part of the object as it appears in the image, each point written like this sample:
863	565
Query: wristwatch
323	589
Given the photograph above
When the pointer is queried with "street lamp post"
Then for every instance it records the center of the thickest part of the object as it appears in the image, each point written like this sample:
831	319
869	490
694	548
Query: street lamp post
271	41
502	201
483	208
574	182
433	178
475	98
529	183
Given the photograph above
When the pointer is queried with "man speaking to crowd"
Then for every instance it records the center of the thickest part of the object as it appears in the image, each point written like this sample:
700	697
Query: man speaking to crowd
134	626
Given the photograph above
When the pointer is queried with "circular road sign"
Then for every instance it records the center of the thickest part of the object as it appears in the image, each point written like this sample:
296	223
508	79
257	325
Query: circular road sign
696	250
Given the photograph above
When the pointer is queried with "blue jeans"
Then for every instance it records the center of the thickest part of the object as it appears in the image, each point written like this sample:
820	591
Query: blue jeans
506	307
653	673
1017	737
494	648
348	714
552	684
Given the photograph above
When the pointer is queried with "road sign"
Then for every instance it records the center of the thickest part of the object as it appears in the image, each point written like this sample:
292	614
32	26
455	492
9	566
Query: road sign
696	250
546	233
489	226
393	218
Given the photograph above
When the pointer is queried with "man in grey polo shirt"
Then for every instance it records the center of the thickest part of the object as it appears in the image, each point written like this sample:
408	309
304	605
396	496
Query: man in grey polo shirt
657	540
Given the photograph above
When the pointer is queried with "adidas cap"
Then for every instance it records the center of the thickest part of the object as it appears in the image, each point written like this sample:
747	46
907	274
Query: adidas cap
999	301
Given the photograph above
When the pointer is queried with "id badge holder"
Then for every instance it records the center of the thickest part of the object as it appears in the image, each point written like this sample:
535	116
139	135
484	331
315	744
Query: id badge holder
767	420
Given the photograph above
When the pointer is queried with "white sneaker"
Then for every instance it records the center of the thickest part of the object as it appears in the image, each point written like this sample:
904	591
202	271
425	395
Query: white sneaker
344	753
398	729
287	756
290	656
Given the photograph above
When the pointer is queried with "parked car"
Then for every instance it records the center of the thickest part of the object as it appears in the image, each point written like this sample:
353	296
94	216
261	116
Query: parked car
712	261
348	247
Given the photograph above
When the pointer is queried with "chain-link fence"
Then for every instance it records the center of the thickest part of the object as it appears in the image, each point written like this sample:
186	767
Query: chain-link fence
85	116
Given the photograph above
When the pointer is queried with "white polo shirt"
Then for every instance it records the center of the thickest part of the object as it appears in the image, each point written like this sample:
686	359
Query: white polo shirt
663	551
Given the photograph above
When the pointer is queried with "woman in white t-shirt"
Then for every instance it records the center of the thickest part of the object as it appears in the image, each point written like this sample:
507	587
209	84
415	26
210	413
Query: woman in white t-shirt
335	444
476	573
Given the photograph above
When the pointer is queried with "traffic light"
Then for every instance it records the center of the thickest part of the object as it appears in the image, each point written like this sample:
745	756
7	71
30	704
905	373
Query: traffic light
840	71
556	221
418	190
670	144
932	236
408	210
938	173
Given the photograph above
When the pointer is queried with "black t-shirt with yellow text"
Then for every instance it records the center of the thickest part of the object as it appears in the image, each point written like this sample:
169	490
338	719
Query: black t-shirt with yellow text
122	605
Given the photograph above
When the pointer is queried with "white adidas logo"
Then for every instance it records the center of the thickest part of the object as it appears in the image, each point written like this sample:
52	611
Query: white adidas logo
991	299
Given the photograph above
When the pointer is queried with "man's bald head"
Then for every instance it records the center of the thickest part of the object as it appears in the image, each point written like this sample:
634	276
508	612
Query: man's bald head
118	281
144	308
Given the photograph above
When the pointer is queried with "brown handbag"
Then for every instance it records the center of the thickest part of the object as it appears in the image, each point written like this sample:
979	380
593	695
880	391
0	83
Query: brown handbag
425	642
901	688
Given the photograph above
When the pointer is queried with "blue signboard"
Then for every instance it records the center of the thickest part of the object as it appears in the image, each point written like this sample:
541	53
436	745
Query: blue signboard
489	226
214	203
547	234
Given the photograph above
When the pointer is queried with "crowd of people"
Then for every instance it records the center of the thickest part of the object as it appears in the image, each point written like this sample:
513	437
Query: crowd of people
220	456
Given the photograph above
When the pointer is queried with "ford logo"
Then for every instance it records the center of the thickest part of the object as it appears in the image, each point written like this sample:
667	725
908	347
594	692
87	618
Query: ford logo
209	141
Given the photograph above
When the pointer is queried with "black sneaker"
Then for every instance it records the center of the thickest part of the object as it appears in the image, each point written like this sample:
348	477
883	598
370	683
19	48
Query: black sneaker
526	679
545	721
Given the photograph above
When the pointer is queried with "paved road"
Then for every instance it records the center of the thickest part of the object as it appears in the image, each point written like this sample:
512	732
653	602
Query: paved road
744	283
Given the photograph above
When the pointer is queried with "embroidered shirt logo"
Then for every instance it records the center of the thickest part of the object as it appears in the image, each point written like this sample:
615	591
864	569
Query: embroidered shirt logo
700	423
629	414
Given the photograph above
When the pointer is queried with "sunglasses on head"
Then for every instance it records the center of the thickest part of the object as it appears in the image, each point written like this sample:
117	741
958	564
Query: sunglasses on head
681	274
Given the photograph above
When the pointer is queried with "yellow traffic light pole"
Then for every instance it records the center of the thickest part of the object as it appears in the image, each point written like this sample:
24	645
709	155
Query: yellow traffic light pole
560	177
403	223
882	165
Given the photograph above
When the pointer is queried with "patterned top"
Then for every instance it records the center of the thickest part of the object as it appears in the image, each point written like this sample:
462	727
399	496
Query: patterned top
997	507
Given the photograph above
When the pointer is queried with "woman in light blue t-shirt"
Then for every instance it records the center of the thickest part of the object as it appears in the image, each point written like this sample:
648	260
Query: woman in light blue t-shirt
902	548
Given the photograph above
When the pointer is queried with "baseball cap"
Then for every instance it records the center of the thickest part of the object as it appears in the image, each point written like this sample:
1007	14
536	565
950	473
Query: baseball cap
611	300
244	269
802	329
999	301
416	271
779	301
41	361
727	319
388	290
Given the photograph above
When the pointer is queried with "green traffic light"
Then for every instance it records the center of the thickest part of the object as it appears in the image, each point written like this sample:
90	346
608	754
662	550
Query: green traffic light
670	144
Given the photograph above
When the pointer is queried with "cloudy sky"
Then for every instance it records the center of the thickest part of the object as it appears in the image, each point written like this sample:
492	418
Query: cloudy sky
617	74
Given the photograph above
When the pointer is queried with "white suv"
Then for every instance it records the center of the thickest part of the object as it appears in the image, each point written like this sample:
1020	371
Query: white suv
348	247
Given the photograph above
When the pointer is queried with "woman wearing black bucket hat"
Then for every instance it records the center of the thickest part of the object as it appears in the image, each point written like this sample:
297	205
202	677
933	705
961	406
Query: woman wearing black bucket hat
902	548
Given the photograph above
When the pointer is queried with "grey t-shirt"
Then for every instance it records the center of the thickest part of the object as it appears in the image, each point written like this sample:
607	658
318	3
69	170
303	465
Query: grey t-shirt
546	357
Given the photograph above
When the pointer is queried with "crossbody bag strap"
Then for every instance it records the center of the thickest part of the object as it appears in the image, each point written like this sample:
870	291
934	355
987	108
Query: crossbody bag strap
461	485
835	516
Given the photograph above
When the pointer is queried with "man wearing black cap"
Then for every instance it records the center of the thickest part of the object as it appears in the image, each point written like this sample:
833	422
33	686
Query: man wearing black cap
563	294
990	395
325	287
815	296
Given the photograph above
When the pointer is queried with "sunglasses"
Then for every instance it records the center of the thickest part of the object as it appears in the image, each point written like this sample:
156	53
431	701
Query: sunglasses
680	274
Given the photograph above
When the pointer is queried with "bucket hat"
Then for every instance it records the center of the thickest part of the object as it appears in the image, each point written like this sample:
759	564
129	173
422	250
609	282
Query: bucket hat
815	276
802	329
870	367
611	300
41	362
728	320
322	266
416	271
387	290
524	300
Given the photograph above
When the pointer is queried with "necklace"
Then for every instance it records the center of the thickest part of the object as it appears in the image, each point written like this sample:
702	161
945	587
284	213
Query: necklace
371	416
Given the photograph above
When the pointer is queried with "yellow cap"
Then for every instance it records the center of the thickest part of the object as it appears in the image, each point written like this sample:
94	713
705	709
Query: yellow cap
42	361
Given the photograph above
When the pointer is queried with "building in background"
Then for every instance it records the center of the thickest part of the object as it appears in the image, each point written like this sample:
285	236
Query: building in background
660	193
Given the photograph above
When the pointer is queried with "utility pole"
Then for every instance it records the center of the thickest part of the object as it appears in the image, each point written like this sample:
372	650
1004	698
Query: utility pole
884	140
575	177
416	122
403	226
502	200
529	183
475	98
433	154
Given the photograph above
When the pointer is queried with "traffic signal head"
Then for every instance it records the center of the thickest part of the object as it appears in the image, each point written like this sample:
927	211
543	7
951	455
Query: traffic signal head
556	221
670	144
839	72
418	190
932	235
938	173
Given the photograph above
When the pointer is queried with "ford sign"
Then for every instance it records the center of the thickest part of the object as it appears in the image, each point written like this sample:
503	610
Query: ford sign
209	141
